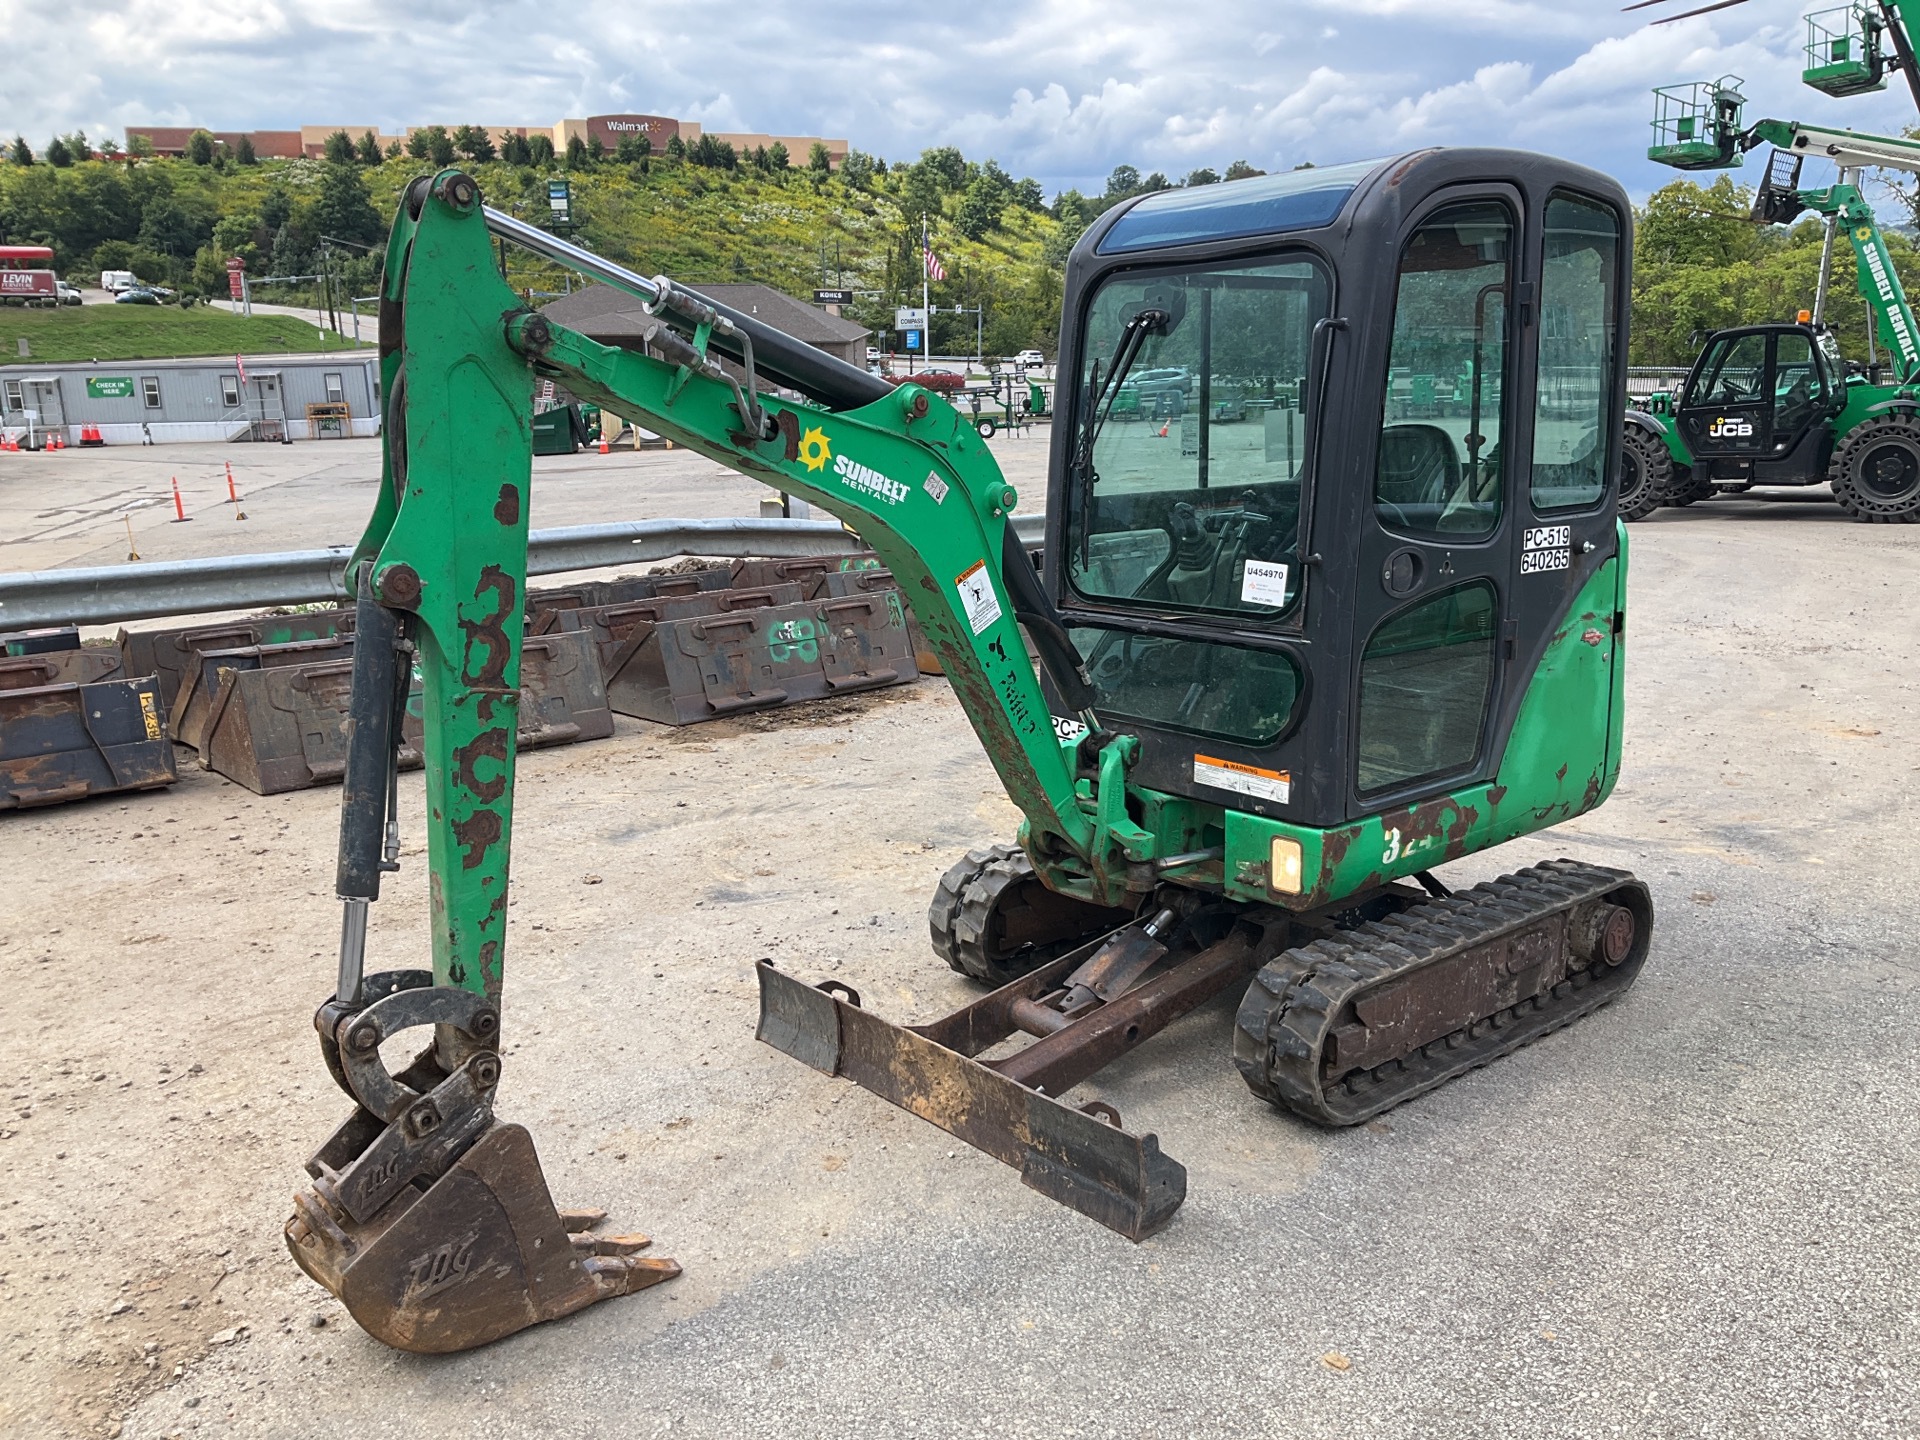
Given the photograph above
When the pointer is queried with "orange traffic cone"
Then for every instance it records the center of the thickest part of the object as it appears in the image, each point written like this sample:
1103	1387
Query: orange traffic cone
179	505
1163	428
603	442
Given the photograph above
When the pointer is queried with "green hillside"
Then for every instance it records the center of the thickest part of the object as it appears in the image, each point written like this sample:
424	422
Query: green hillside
151	332
709	215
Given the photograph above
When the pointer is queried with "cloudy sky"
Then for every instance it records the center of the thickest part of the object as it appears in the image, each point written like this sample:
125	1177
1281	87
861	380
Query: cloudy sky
1059	89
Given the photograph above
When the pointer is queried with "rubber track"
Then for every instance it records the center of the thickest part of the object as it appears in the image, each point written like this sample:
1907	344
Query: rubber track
963	904
1296	999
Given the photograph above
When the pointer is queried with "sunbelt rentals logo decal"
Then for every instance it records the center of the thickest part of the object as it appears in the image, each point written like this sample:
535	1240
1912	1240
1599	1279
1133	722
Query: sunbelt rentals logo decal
816	453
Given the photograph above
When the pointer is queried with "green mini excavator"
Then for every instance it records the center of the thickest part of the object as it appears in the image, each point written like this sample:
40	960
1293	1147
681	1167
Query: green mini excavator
1280	670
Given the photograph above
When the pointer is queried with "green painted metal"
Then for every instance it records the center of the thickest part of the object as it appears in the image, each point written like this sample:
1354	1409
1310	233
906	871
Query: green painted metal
1696	126
1846	50
452	510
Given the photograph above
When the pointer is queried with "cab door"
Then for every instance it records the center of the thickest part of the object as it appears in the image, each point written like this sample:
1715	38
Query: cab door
1431	593
1728	407
1493	519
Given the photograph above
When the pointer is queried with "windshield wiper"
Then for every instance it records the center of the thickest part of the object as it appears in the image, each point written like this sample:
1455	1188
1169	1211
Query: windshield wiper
1100	398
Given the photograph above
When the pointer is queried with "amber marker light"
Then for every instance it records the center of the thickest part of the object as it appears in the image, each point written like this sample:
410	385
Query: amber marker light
1285	865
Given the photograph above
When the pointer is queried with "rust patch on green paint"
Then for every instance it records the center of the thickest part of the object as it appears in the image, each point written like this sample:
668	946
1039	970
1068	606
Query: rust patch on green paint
474	834
487	745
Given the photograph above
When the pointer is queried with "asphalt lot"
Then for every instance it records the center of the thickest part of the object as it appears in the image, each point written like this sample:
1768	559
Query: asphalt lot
1692	1214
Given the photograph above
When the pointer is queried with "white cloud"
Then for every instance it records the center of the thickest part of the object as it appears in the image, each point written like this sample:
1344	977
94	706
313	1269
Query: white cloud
1062	90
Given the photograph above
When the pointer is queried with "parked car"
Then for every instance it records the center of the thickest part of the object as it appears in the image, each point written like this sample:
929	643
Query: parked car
137	295
873	353
941	382
69	293
114	281
1030	358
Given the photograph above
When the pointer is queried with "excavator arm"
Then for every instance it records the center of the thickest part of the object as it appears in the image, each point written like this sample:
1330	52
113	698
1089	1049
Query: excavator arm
440	574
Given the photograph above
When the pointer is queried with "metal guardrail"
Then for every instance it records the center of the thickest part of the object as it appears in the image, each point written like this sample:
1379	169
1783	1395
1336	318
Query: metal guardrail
110	594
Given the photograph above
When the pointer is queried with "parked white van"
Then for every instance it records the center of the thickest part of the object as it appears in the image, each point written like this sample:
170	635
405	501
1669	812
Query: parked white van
114	281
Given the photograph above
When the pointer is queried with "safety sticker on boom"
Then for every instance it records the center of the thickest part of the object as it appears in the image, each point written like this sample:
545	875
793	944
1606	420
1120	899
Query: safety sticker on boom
977	597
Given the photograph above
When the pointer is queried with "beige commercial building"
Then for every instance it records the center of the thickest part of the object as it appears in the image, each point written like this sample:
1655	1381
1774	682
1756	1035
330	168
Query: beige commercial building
609	130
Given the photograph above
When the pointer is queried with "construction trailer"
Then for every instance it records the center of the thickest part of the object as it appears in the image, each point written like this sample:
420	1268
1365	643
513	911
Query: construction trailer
220	397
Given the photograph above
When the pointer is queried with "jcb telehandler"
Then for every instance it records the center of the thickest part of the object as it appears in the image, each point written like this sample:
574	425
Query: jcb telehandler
1276	688
1775	404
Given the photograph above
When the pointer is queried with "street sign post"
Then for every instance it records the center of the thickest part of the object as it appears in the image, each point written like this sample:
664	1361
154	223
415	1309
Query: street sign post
560	203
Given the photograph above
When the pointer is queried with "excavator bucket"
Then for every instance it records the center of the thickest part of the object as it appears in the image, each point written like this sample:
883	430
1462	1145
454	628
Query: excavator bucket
60	667
40	642
169	653
840	584
680	672
427	1217
544	607
283	727
192	710
67	741
618	629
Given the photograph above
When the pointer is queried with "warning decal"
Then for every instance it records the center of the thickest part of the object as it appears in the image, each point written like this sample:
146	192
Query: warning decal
977	597
1274	785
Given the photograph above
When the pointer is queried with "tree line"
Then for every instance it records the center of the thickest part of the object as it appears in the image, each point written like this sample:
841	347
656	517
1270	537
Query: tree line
1700	264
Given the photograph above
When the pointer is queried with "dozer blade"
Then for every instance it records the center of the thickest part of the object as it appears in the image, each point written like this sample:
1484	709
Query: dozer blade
480	1254
1070	1155
428	1218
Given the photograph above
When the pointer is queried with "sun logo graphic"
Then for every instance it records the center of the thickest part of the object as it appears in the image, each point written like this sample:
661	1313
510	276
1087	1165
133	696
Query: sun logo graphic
814	451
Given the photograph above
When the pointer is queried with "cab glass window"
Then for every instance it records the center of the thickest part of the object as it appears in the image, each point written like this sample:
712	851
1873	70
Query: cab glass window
1230	691
1439	462
1574	408
1426	678
1799	391
1732	372
1186	489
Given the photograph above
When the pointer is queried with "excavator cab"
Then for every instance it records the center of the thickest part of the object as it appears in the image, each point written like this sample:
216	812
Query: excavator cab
1337	604
1757	407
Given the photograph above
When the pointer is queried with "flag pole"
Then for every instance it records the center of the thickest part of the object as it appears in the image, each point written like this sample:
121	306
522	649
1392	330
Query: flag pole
926	249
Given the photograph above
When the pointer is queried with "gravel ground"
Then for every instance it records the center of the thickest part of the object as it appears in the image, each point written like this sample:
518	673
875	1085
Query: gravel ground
1692	1214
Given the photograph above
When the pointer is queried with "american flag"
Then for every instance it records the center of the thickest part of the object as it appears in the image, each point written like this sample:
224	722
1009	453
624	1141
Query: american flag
935	270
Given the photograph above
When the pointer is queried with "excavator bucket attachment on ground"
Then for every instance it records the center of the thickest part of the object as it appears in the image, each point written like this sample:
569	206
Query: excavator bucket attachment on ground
840	584
428	1218
64	742
192	710
284	727
619	629
544	607
169	653
40	642
60	667
680	672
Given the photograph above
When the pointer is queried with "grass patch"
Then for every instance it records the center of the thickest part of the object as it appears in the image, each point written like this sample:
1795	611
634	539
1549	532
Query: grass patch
152	332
